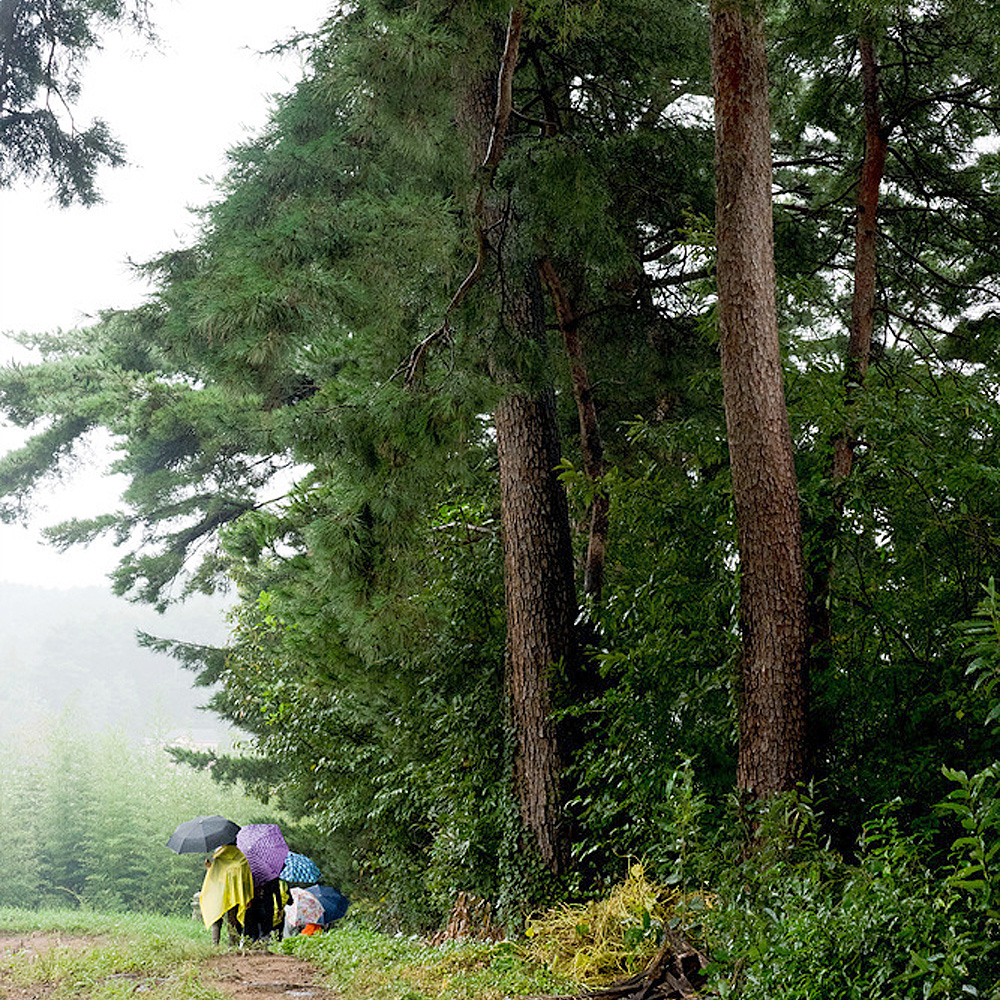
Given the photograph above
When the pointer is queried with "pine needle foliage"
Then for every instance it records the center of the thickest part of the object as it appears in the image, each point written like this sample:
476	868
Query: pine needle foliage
42	47
259	407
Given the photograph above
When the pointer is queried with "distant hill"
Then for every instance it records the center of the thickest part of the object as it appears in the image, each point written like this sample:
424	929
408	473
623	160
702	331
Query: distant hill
74	651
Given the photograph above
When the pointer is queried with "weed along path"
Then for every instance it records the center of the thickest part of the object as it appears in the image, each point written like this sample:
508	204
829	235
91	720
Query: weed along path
39	965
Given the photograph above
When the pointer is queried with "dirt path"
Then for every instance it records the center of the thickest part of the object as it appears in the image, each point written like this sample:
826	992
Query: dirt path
241	975
31	943
260	975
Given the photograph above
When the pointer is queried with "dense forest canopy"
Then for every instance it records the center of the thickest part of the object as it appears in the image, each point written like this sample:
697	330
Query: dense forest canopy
576	511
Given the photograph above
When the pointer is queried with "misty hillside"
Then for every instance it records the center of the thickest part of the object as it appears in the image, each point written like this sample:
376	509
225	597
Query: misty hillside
75	651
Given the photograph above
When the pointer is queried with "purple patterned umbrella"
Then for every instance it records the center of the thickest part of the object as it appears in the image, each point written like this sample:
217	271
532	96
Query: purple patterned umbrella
265	850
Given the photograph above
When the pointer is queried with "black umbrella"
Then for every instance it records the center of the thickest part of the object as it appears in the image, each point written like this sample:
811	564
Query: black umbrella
203	834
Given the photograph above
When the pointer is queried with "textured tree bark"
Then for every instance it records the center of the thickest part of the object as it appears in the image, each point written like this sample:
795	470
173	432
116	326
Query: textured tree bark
772	584
591	447
540	603
539	589
865	271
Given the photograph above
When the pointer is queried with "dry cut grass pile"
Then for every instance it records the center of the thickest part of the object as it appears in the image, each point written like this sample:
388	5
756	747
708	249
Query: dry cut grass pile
607	939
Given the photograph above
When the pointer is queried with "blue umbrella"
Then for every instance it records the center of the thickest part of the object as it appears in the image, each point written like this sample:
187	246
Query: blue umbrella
333	903
299	868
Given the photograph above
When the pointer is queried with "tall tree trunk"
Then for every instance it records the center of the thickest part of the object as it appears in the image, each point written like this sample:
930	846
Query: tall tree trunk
772	585
865	273
591	447
539	589
858	347
539	595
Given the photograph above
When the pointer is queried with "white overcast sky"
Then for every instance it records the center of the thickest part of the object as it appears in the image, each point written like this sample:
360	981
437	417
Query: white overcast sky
177	107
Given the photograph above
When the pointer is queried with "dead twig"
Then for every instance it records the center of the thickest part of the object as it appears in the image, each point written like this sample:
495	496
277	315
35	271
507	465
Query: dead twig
505	87
676	972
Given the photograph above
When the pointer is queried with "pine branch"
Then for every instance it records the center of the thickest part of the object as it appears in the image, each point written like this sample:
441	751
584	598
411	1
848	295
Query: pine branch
501	119
414	363
505	88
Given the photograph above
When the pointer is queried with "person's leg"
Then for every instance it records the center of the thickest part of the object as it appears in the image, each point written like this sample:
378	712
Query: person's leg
217	931
278	910
235	930
252	922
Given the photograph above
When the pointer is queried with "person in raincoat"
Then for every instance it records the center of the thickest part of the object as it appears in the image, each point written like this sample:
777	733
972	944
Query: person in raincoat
226	892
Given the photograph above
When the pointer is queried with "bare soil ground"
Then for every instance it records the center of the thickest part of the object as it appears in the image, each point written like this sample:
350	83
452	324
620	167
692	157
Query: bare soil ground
32	943
260	975
242	975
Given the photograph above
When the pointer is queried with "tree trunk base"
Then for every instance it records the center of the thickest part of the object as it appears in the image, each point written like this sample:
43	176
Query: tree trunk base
470	920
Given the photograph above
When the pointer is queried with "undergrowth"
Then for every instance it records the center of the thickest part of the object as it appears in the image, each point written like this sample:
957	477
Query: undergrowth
605	939
367	965
914	916
793	920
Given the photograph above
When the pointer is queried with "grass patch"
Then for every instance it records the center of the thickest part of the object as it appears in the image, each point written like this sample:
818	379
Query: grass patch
366	965
161	958
126	953
88	923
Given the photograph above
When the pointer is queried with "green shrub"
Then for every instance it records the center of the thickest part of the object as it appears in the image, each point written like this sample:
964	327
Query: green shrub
801	923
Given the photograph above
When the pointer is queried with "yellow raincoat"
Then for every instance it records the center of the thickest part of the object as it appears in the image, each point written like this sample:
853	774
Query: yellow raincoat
228	883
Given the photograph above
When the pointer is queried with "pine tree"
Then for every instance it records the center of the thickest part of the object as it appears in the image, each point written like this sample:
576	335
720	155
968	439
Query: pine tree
899	159
772	582
42	45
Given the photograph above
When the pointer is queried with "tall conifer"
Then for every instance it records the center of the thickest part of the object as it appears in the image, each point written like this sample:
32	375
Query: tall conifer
772	582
